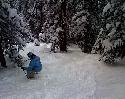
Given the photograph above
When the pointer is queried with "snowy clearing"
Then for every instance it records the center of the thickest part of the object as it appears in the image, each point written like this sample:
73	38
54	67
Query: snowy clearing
72	75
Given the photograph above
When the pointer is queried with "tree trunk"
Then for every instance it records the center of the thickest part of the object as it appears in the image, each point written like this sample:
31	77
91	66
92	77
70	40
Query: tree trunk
63	24
41	15
2	59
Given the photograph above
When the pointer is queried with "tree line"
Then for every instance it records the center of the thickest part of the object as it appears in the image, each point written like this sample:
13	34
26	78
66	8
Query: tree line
96	26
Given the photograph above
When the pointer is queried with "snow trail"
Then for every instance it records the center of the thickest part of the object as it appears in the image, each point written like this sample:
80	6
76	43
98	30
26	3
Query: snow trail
64	76
72	75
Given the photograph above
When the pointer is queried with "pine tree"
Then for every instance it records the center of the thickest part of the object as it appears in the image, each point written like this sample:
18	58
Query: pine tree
84	24
63	25
111	38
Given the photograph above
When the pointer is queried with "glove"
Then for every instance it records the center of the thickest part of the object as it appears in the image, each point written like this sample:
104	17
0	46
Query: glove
23	68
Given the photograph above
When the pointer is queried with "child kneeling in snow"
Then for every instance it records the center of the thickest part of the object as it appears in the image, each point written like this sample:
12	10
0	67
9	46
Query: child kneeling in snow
35	65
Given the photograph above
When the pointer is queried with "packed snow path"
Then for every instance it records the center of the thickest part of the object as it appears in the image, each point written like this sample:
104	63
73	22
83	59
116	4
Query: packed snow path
72	75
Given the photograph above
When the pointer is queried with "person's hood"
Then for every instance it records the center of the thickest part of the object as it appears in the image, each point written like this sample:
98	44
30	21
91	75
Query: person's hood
30	54
33	56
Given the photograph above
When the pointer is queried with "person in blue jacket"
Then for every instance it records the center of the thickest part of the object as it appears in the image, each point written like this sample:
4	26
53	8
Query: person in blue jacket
35	65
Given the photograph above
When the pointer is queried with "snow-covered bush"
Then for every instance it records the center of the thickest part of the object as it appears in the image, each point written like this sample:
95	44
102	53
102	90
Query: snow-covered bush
36	42
42	37
55	42
47	47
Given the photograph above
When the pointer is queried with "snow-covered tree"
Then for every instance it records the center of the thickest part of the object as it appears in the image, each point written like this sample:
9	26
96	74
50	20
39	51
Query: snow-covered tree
12	27
82	27
78	28
111	40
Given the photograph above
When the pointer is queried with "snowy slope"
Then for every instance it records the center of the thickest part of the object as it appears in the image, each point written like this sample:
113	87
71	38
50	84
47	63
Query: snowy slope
72	75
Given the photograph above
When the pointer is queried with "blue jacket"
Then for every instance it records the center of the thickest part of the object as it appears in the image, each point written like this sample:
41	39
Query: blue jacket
35	64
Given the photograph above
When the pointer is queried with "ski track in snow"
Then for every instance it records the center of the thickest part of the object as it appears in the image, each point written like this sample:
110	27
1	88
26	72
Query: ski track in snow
71	75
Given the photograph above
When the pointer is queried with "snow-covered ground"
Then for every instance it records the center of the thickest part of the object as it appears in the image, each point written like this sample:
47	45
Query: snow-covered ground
72	75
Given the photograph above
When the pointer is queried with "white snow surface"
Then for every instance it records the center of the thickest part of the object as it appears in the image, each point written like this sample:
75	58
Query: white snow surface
72	75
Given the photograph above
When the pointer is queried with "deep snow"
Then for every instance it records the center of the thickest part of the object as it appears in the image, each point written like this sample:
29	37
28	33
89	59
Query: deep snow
72	75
